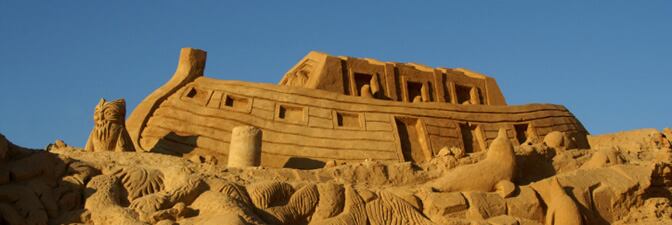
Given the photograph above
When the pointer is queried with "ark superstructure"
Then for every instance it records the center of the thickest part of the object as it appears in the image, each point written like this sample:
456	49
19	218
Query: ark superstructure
337	108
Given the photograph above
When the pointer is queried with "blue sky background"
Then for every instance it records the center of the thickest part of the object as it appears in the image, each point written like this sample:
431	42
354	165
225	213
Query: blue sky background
609	62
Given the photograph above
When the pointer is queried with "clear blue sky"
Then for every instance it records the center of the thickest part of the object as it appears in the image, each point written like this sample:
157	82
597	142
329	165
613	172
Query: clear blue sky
609	62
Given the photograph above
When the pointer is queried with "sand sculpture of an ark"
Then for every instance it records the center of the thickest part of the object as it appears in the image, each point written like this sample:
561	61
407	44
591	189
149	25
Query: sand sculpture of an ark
338	108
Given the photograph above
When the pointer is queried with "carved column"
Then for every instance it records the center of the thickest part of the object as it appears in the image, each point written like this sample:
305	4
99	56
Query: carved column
245	148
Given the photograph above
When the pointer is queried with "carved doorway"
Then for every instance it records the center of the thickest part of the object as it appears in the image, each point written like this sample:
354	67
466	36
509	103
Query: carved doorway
471	138
413	141
521	132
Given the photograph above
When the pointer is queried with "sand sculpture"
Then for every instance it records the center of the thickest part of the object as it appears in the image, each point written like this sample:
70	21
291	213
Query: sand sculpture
561	208
109	130
500	162
546	172
338	108
74	186
245	148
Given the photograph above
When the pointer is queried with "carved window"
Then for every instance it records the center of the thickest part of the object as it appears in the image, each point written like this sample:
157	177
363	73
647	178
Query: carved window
191	93
236	102
469	95
462	94
414	91
197	95
361	80
348	120
291	113
418	91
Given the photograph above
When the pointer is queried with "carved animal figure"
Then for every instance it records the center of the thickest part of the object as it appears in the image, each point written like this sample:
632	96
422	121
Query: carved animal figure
220	208
103	192
560	141
391	209
270	193
179	186
354	210
498	166
298	209
109	130
137	181
561	208
602	158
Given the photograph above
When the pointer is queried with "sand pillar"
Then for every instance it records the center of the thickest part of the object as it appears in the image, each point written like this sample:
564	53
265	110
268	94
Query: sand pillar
474	96
245	148
424	92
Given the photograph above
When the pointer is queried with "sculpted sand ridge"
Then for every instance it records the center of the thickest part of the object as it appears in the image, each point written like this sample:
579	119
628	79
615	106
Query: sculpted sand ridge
500	163
340	140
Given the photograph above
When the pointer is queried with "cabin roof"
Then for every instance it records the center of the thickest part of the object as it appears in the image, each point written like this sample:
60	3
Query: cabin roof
392	80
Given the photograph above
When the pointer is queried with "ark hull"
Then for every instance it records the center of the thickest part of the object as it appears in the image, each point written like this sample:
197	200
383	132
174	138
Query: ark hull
304	128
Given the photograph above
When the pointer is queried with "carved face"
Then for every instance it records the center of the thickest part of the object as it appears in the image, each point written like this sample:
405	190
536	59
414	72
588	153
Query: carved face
111	112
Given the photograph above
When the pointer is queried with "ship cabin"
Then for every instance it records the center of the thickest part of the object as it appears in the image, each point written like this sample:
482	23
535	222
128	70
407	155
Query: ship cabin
404	82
